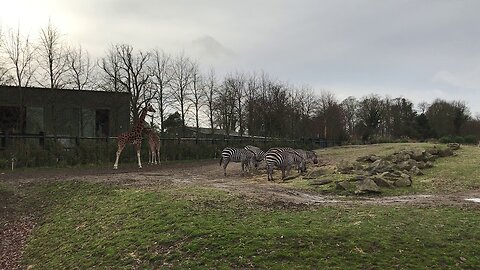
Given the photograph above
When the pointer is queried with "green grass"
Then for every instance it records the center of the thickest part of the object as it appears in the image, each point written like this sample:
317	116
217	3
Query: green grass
86	225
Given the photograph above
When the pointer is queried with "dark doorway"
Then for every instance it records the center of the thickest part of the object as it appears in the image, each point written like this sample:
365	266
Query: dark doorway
102	123
12	119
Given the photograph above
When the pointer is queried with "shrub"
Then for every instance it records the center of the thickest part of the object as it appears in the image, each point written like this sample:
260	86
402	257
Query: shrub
470	139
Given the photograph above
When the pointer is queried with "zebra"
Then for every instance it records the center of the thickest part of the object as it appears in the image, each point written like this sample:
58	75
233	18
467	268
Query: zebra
259	153
244	156
301	167
309	156
282	159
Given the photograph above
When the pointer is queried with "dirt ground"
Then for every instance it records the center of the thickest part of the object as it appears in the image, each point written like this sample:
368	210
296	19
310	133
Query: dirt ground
253	187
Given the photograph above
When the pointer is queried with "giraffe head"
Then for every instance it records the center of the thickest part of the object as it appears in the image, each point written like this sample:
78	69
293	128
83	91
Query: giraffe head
149	108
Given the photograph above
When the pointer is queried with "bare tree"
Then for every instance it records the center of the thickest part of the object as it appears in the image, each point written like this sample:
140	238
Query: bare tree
182	77
20	54
326	102
110	65
53	57
5	77
196	96
161	71
128	72
81	70
210	91
350	108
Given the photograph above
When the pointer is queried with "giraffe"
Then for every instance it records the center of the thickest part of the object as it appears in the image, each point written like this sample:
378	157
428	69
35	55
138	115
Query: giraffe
154	146
133	136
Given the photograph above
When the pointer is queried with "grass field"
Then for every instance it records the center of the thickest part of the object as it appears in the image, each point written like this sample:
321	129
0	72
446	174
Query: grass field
83	225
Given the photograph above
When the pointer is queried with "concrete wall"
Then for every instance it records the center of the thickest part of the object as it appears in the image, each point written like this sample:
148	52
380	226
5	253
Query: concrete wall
62	109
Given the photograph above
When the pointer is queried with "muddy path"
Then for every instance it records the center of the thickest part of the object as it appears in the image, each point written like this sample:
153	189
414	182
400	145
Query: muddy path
252	186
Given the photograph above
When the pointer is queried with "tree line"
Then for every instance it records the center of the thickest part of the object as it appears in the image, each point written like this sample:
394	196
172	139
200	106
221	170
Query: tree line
246	103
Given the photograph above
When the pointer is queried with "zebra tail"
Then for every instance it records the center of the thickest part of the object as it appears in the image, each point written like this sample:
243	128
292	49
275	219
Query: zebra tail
221	159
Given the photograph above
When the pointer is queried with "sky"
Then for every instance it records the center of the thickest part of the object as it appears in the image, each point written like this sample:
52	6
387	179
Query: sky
421	50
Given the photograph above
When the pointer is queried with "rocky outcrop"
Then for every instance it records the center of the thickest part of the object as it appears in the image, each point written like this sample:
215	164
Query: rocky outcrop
394	171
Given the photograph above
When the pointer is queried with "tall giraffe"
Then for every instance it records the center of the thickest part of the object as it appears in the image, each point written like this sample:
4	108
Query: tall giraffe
133	136
154	146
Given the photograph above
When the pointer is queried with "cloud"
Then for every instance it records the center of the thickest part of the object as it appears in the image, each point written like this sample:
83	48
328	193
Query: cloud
209	47
467	80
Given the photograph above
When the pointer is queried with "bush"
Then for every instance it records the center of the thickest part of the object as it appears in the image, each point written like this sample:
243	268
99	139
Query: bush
470	139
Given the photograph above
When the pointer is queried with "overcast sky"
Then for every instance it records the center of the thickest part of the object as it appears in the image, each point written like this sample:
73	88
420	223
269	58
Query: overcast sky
421	50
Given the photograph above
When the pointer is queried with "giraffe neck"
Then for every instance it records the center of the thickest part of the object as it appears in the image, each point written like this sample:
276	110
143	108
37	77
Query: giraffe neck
138	127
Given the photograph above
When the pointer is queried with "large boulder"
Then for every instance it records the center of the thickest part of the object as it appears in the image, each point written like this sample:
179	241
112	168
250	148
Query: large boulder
319	182
433	151
367	186
404	181
343	185
345	167
400	157
430	157
380	166
454	146
407	165
415	171
381	182
446	152
419	155
369	158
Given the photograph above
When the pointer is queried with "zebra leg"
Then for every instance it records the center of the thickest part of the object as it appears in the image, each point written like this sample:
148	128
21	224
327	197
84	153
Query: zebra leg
225	163
269	173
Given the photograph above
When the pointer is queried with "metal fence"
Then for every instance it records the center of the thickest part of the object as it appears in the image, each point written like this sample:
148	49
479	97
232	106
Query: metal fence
68	142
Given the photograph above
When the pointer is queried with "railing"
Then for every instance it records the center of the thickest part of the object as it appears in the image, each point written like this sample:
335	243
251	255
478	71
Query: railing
71	141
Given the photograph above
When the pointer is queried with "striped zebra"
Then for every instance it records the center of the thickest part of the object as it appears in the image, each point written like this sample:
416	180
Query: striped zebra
284	159
301	167
244	156
309	156
259	153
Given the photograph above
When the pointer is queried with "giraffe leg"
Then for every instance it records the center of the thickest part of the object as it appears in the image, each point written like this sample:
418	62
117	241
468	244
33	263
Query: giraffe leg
158	155
119	151
138	147
150	158
154	156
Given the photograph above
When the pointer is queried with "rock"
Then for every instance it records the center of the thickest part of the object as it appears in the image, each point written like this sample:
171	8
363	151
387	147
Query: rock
421	165
454	146
415	171
433	151
367	186
358	178
369	158
357	166
344	185
428	164
407	165
404	181
430	157
345	167
391	175
419	155
446	152
400	157
318	182
381	182
380	166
